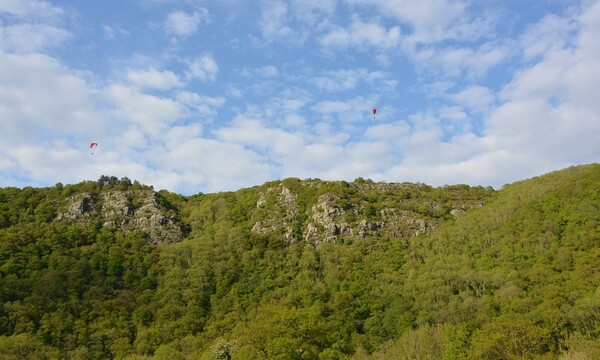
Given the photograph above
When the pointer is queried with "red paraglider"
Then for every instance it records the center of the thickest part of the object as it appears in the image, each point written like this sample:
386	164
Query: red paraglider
374	112
92	145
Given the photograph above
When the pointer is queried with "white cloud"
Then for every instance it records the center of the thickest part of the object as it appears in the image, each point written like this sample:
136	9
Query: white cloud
151	112
331	161
305	155
274	22
154	79
551	33
382	81
568	75
292	23
183	139
111	32
428	18
31	26
459	61
267	71
292	104
454	121
583	79
38	97
367	158
252	133
203	68
391	132
544	79
182	133
548	119
326	133
318	160
25	38
43	162
433	21
334	83
476	98
132	138
201	106
454	113
294	120
328	107
362	34
312	12
341	80
353	110
31	9
183	24
213	165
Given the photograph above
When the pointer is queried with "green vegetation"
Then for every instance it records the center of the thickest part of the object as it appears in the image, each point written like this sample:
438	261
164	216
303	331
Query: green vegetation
515	275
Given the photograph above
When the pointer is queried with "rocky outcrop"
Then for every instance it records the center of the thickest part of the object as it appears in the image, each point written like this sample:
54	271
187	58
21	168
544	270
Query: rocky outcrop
79	206
327	221
129	210
280	201
308	211
333	217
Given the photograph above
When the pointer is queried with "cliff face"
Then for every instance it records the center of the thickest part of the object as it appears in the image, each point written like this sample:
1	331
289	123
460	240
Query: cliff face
353	211
309	211
124	210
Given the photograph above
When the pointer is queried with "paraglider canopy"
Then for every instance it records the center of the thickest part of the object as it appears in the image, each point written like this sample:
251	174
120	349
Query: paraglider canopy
374	112
92	144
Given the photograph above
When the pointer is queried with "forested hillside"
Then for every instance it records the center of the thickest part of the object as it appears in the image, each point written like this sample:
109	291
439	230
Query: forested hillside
303	269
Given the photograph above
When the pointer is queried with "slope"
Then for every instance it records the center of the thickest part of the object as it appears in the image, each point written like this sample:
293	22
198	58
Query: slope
307	270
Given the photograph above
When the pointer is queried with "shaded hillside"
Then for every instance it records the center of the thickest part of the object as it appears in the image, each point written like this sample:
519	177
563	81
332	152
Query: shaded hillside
303	270
314	211
518	278
107	203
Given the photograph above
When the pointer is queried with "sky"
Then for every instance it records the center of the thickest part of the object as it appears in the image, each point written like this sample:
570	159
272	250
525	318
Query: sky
206	96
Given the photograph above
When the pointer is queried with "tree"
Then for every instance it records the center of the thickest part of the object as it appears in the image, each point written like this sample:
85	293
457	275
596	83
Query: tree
224	349
509	338
25	346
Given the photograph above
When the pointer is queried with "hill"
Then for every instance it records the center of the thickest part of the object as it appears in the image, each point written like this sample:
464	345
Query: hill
303	269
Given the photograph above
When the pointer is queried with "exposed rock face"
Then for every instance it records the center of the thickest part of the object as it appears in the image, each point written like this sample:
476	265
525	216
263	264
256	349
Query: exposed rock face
333	218
284	204
79	206
327	221
131	210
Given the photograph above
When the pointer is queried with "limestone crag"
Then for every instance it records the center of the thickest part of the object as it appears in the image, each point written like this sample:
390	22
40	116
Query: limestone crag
355	212
78	207
327	221
279	201
130	210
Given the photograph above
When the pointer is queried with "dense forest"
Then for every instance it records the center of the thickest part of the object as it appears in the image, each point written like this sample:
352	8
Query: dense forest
303	269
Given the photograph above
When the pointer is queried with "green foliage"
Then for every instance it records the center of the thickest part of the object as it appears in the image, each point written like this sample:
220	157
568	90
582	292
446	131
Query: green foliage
426	343
508	338
515	279
25	346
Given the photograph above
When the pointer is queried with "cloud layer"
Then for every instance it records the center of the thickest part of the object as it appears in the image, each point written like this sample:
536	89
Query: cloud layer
209	99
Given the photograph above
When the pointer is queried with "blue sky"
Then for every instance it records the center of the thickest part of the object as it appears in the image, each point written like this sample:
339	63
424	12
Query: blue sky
204	96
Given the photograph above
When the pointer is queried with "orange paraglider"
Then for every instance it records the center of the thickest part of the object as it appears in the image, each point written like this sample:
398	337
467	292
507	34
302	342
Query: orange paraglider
92	145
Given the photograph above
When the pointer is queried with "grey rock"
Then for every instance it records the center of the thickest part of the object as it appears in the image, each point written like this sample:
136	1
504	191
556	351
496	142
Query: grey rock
125	210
